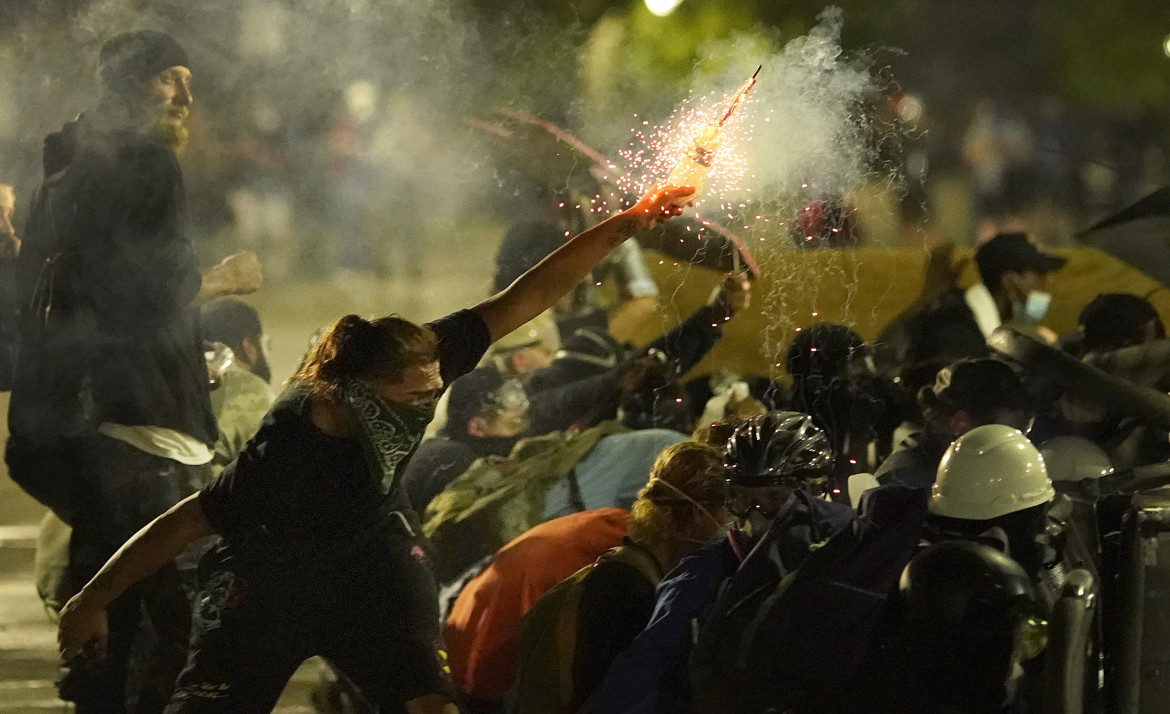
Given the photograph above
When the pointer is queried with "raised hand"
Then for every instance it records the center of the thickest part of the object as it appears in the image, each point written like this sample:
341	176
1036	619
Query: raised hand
659	205
734	293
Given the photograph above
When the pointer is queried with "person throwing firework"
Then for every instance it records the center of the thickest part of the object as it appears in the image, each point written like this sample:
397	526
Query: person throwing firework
320	552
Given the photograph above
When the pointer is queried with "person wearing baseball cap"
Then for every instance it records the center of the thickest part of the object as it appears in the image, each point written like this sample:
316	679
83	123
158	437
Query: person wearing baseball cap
965	395
1012	276
110	417
954	324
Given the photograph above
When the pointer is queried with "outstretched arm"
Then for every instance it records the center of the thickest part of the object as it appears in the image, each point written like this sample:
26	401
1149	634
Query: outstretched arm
536	290
83	620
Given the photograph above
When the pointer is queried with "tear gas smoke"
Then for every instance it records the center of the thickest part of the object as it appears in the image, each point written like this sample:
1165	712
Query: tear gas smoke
337	130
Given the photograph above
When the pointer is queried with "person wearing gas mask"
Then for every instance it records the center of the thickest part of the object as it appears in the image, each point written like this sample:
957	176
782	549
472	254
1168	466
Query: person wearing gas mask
615	596
779	467
487	413
834	382
965	395
573	376
993	487
1012	277
992	494
969	619
556	474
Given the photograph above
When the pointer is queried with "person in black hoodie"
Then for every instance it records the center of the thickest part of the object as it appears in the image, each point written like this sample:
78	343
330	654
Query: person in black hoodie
110	417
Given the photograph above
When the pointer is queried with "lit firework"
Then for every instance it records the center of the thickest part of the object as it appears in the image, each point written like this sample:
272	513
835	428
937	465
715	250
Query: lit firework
700	145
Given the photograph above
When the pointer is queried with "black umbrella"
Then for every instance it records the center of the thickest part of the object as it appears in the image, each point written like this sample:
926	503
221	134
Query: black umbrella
1138	234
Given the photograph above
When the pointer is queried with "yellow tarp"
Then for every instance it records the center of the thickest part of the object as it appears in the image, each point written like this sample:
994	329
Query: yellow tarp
864	288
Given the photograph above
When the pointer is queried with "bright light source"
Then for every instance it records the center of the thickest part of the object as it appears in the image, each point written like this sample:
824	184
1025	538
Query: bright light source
1166	45
662	8
909	107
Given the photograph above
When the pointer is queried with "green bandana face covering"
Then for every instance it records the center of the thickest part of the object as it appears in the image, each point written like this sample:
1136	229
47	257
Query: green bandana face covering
389	432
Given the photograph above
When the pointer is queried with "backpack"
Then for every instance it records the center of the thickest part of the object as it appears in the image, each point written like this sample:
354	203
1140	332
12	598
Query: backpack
47	332
548	638
781	638
49	341
496	500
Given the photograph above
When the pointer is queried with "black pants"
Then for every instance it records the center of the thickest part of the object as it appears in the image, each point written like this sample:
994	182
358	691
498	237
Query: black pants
377	623
119	489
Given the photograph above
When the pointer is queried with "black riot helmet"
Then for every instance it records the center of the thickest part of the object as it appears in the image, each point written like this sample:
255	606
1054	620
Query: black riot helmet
970	617
964	583
778	448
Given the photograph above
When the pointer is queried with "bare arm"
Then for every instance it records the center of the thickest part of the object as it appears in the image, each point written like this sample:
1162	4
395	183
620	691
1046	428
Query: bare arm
83	620
536	290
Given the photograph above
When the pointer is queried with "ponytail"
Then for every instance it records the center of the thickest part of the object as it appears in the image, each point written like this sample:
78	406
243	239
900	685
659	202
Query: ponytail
356	347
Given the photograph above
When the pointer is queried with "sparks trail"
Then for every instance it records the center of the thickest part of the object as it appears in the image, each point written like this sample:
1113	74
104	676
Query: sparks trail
747	86
692	169
700	145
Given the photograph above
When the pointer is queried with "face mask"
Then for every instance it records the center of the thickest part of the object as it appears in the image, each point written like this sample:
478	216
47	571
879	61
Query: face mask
1033	309
390	432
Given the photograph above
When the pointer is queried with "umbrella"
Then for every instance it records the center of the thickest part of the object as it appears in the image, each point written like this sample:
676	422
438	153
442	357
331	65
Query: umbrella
1138	234
549	154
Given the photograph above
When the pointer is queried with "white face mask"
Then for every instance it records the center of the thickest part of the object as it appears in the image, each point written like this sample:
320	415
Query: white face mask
1033	309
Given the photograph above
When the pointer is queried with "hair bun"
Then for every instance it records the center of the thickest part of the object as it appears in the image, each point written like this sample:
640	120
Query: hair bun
350	328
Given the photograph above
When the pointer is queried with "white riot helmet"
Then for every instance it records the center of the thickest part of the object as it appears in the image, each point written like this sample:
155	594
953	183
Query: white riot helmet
990	471
1075	458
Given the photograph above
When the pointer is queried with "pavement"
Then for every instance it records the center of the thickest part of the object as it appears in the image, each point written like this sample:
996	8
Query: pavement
290	314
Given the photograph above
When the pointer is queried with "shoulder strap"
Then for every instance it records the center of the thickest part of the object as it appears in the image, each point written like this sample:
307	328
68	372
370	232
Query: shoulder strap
636	557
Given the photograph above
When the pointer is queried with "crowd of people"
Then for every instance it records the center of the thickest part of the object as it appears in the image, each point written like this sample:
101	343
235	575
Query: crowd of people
510	509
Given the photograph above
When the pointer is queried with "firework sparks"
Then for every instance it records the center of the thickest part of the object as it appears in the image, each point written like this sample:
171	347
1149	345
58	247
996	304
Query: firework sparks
702	144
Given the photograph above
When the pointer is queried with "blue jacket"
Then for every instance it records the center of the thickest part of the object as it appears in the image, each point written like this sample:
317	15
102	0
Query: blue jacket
651	676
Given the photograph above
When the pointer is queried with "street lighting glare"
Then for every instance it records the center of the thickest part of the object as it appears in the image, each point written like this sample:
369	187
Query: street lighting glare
1166	45
662	8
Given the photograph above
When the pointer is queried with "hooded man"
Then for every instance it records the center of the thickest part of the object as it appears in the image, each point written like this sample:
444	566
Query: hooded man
110	416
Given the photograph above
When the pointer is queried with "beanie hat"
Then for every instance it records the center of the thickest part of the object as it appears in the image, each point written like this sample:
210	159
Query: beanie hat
134	57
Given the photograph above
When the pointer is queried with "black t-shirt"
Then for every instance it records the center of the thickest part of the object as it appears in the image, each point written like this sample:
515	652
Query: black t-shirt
299	502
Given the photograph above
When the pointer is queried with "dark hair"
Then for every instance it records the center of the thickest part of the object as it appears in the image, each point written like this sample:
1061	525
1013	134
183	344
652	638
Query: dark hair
823	349
478	394
1115	320
981	387
229	320
356	347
